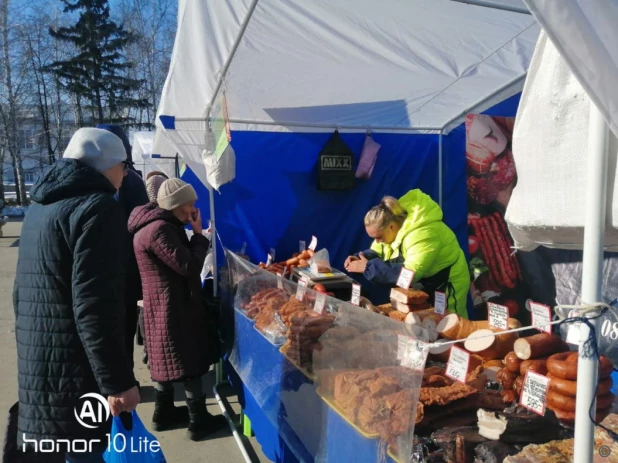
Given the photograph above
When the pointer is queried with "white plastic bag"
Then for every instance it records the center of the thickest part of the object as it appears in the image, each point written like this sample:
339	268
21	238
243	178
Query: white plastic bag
220	172
320	262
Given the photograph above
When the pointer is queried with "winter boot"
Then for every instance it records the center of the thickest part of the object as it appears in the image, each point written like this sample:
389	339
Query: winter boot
202	423
166	415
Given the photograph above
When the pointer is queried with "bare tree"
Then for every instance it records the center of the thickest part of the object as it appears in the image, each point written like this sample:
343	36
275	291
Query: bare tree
12	96
154	24
52	101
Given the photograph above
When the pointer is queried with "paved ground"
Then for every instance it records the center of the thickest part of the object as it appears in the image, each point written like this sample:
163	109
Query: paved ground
220	449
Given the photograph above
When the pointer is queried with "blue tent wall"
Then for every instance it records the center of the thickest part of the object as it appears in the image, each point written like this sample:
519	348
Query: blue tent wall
274	202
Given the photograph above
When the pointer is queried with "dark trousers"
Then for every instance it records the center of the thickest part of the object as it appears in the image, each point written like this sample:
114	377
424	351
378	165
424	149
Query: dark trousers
130	326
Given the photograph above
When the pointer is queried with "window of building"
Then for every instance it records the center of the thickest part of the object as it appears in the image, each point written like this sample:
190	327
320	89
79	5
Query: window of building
27	139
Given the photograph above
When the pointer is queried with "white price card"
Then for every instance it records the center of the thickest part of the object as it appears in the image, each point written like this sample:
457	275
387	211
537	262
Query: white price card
541	316
356	294
414	356
573	330
279	281
271	256
405	278
534	392
314	243
458	363
301	290
302	246
498	316
320	303
439	302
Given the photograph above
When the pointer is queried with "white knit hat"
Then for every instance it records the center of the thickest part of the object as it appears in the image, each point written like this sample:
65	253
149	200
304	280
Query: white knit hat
153	184
175	193
96	148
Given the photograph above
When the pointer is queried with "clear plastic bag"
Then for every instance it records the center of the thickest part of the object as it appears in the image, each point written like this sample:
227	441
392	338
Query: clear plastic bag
320	262
342	370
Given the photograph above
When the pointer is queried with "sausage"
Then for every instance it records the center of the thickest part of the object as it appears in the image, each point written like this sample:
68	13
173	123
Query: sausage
539	345
538	366
564	366
506	379
518	385
569	417
566	403
512	362
569	388
509	397
561	402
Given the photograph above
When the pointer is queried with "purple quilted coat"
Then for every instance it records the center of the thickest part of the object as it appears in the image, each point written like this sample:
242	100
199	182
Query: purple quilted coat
175	318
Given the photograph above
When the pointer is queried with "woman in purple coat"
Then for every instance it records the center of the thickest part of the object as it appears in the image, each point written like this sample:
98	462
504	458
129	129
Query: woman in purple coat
176	321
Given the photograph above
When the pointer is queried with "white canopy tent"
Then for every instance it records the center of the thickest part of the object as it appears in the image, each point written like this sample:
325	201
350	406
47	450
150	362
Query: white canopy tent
149	161
393	66
400	66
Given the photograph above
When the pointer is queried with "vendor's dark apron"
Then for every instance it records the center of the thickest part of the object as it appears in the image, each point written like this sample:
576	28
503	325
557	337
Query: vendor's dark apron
438	282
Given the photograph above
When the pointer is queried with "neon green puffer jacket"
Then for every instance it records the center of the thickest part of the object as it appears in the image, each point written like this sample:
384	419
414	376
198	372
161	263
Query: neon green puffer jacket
428	246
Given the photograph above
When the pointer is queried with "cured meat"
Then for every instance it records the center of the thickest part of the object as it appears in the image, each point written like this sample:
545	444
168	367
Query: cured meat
539	345
494	452
516	425
445	395
409	296
458	443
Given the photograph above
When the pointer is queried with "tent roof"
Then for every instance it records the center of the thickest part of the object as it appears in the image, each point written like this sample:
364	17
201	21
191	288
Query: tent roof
390	64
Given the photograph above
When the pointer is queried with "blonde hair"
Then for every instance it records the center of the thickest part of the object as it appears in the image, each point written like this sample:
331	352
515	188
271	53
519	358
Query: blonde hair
389	210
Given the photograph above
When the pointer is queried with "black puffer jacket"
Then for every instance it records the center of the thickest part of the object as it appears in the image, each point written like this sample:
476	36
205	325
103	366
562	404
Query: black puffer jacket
68	300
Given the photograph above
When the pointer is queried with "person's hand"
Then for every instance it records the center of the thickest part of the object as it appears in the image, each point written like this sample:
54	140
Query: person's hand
349	260
196	222
124	402
359	265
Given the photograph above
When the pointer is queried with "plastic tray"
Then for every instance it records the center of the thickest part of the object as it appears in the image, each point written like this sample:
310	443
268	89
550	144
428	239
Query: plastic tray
277	344
332	404
304	371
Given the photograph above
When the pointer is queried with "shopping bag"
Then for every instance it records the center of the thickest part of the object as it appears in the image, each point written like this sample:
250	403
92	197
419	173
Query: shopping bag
132	446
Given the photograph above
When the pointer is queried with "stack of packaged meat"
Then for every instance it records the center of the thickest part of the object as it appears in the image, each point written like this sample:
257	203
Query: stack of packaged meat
305	329
263	305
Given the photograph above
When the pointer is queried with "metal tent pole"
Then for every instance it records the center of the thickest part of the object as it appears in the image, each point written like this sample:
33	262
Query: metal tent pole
592	272
440	182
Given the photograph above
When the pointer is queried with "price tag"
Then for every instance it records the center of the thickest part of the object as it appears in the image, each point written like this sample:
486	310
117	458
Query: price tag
356	294
498	316
314	243
439	302
405	278
534	392
271	256
279	281
301	290
402	345
573	330
457	366
541	317
414	356
320	302
302	246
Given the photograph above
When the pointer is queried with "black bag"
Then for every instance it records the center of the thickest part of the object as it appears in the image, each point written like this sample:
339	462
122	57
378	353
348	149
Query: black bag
336	165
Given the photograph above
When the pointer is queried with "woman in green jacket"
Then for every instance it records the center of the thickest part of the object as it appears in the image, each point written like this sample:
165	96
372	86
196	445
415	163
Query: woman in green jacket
410	233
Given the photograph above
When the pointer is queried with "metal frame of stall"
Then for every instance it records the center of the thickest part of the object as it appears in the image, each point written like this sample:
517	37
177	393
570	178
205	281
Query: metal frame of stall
593	238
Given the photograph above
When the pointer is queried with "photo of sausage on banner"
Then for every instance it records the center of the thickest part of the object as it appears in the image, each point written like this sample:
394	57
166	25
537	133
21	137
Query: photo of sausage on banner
491	176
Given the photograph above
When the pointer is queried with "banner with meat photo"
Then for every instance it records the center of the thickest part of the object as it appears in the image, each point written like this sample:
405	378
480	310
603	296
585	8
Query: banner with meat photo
491	176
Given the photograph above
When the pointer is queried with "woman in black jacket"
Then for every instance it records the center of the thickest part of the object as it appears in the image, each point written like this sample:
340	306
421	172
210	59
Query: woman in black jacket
68	295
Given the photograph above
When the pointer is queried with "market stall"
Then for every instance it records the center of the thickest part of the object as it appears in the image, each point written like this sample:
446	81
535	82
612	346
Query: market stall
270	77
330	379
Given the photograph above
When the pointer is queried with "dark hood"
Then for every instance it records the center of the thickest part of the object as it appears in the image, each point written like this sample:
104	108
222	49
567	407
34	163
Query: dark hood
68	178
145	215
